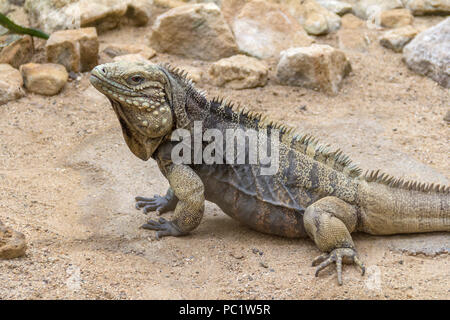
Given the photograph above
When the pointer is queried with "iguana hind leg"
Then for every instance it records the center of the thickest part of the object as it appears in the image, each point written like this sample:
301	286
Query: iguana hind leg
329	222
160	204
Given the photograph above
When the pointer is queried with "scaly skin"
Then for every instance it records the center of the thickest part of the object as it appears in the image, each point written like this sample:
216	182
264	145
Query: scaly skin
316	192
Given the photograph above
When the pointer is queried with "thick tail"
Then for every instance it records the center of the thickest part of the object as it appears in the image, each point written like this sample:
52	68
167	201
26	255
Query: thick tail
387	208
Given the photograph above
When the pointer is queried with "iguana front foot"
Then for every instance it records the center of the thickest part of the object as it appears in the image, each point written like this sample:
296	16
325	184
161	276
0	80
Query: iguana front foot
346	255
163	227
157	203
160	204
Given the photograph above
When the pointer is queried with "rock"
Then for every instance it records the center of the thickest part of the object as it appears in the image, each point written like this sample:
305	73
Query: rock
423	7
19	16
53	15
337	7
197	31
429	53
314	18
195	74
46	79
101	14
12	243
396	39
119	49
447	116
353	40
366	9
350	21
16	49
317	66
132	57
77	50
10	84
394	18
168	4
138	12
263	30
238	72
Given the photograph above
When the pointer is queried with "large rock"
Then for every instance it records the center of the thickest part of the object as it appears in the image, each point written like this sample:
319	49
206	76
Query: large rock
396	39
263	30
422	7
77	50
350	21
429	53
313	17
238	72
366	9
196	31
394	18
317	66
10	84
46	79
338	7
15	49
12	243
53	15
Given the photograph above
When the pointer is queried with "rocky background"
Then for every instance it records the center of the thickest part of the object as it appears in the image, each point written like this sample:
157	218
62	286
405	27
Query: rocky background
371	77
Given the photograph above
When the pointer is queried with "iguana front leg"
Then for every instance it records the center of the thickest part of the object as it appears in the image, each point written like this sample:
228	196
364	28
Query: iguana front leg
329	222
188	188
160	204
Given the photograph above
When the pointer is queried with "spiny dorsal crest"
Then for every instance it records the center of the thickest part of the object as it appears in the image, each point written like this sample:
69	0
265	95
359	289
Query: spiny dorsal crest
379	177
183	76
309	145
304	143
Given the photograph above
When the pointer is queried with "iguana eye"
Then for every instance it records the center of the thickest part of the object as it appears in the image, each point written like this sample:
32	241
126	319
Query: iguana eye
136	79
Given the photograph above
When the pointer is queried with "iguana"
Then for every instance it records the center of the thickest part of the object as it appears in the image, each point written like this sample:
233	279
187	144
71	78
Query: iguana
317	192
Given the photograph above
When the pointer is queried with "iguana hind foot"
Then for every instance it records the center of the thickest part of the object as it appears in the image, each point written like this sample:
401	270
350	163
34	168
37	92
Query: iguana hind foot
346	255
329	222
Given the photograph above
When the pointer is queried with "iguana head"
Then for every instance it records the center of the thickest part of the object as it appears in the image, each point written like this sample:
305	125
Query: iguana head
141	96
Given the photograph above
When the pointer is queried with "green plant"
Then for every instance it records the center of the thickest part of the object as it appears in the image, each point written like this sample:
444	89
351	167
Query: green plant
11	26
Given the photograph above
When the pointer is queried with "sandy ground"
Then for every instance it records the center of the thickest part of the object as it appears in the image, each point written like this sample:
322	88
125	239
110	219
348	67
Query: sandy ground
68	183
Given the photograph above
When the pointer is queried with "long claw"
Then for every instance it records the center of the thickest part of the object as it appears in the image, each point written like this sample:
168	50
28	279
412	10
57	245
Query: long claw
320	259
324	264
339	269
141	204
359	264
